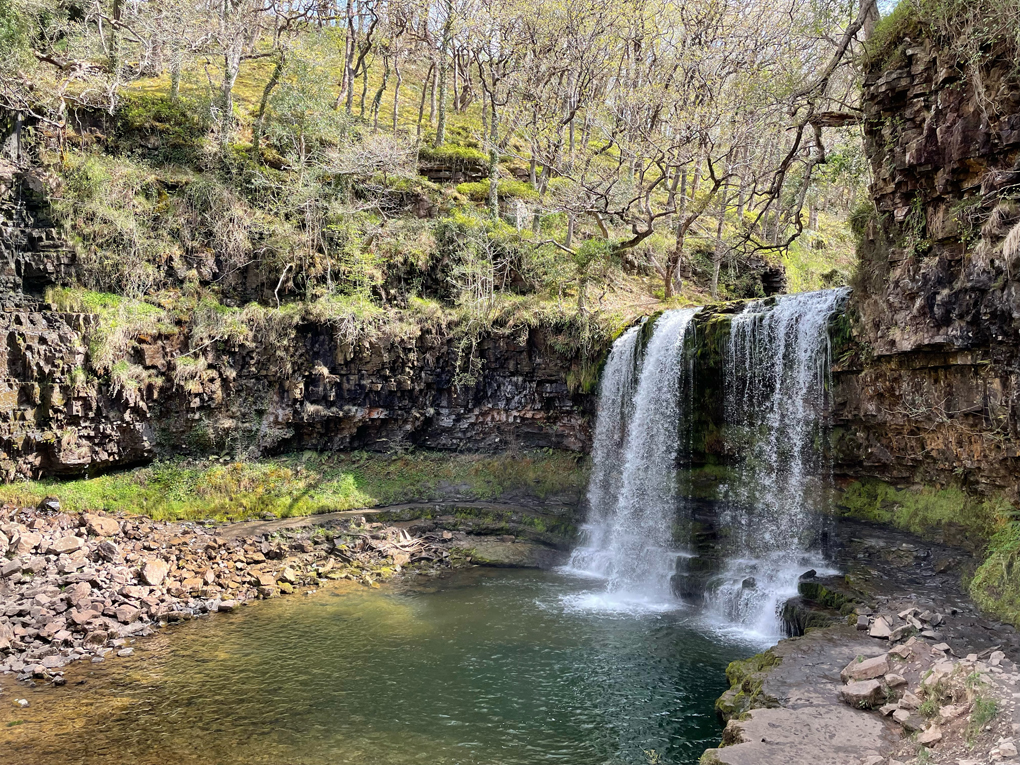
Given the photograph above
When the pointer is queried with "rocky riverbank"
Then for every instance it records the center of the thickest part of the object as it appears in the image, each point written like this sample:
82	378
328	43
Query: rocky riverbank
907	670
83	586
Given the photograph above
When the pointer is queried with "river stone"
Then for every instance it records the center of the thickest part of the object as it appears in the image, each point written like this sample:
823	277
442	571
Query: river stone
880	628
864	694
27	542
154	571
101	526
108	551
869	669
863	622
126	614
66	544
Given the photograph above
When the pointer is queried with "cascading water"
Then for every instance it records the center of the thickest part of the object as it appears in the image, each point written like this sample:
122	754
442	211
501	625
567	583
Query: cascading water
776	383
633	501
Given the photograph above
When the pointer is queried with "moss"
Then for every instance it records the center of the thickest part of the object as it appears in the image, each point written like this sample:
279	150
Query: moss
996	583
889	34
948	513
452	154
746	677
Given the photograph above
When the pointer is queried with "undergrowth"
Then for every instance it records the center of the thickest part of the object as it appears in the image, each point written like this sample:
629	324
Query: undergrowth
305	484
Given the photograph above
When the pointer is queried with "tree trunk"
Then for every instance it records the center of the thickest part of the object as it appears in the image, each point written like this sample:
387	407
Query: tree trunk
432	95
493	158
256	133
717	255
175	78
377	101
396	91
424	95
364	89
447	28
350	48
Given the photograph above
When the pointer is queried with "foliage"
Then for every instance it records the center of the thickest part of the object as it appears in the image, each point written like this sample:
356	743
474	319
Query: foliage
926	510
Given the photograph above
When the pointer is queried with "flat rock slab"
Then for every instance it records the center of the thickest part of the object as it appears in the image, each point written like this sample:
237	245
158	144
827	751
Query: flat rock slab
812	724
825	734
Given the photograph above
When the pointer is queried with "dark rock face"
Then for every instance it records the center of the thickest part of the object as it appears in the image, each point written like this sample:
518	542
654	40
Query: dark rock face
378	394
933	388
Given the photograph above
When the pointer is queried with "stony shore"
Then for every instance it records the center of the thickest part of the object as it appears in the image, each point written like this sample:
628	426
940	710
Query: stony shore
76	587
907	671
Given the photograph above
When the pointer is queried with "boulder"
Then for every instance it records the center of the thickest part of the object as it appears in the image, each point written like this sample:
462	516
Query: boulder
101	526
68	544
108	551
154	571
27	542
78	593
50	503
895	681
864	694
126	614
868	669
880	628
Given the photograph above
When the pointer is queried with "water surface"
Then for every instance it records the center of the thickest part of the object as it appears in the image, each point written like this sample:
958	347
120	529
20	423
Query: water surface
485	667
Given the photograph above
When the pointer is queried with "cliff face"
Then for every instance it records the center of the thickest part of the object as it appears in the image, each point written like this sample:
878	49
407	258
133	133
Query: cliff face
931	393
328	394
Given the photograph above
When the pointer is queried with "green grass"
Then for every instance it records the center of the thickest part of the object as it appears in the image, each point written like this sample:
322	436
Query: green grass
305	484
960	517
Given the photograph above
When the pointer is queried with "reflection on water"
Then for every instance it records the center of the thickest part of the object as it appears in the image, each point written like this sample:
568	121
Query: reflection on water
485	667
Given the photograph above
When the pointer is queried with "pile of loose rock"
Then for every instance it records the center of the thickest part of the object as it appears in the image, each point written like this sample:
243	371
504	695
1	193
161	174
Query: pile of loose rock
77	586
951	710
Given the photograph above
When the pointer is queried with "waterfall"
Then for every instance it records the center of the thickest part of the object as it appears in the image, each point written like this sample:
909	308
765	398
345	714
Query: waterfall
777	374
633	494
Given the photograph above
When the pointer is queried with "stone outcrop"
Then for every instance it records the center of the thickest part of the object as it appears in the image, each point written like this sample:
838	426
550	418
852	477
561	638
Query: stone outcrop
932	387
377	394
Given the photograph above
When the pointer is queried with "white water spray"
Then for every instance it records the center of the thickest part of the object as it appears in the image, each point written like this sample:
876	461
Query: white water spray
777	380
633	501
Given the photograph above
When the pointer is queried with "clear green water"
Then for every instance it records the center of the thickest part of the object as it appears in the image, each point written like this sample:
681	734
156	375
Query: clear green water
485	667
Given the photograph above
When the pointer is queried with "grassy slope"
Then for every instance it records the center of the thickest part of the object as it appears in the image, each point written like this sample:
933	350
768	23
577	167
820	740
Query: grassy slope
306	484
